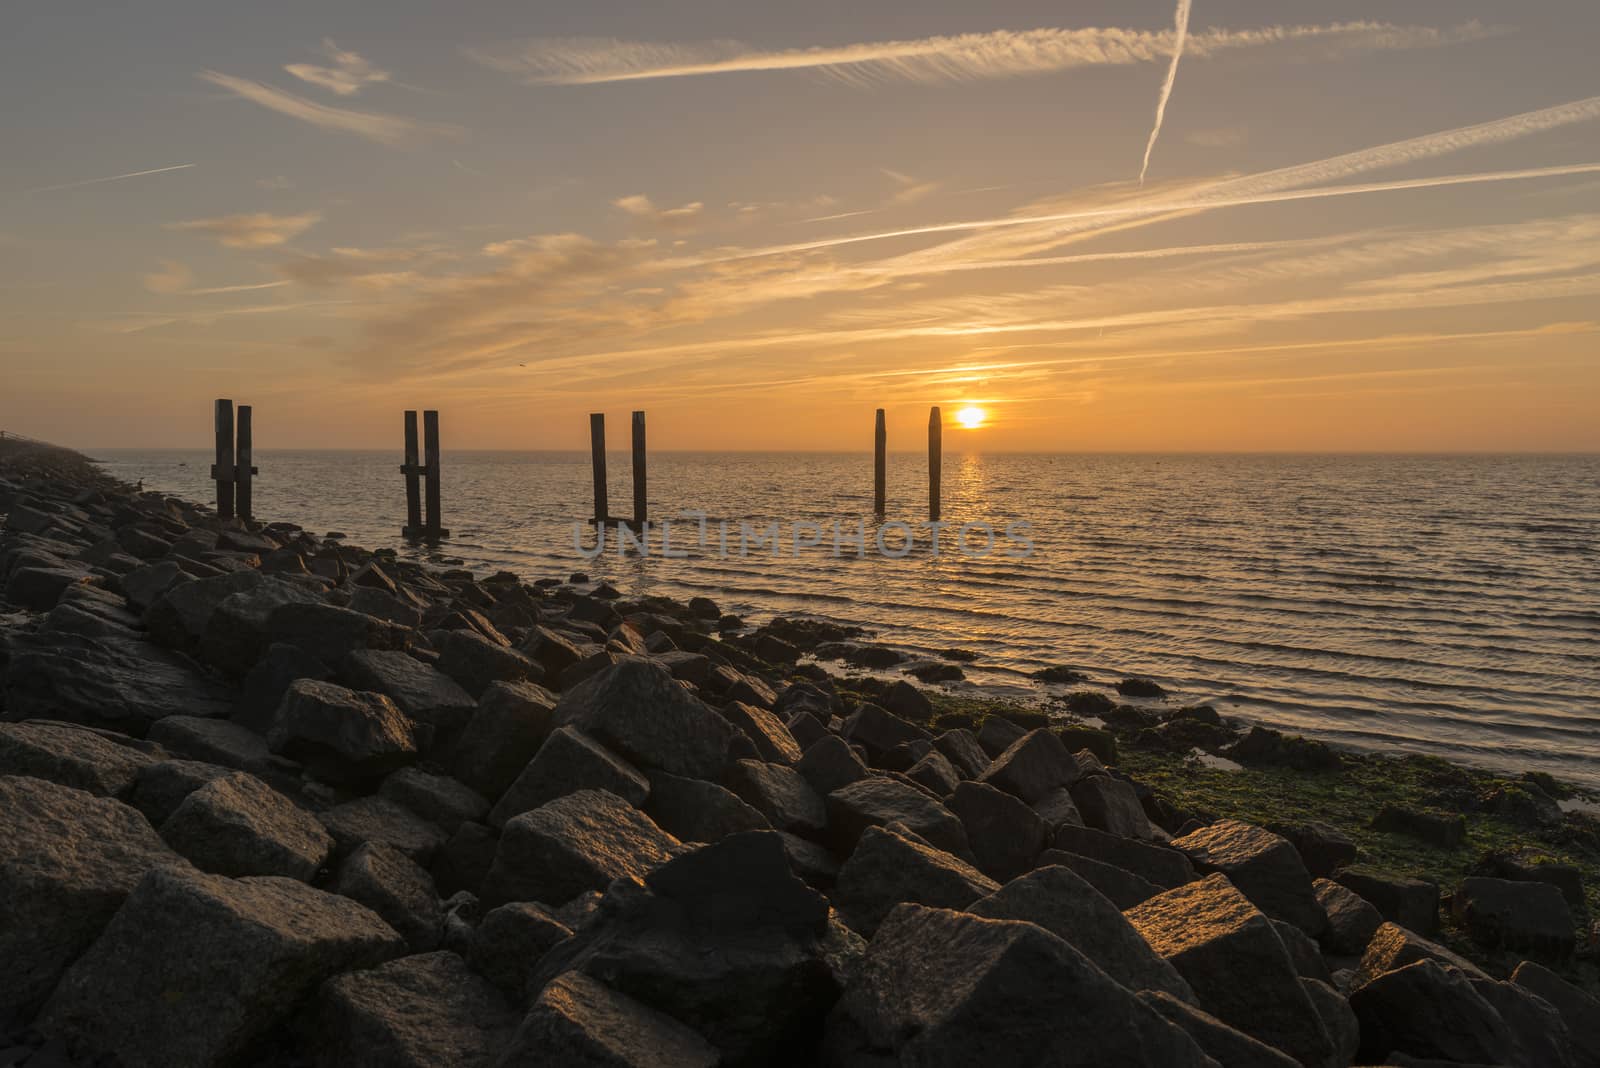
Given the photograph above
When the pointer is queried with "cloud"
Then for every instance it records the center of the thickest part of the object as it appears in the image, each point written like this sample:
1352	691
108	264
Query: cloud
349	74
109	178
256	230
680	218
1180	33
964	57
910	190
173	277
370	268
384	129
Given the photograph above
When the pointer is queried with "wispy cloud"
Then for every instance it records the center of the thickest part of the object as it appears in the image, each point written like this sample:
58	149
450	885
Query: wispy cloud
175	279
641	207
909	190
109	178
349	74
384	129
1180	33
252	230
1000	54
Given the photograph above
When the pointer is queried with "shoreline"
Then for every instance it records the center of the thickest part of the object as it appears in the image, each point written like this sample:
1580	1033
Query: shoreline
141	633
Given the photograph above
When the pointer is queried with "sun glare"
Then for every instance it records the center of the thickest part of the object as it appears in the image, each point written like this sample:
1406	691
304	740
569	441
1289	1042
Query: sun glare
972	418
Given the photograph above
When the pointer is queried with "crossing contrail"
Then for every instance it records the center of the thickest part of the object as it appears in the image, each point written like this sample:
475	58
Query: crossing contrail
109	178
1182	20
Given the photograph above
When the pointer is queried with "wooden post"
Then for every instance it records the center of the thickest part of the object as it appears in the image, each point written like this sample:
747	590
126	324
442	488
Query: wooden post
640	508
410	469
935	461
244	460
222	470
430	454
597	445
880	464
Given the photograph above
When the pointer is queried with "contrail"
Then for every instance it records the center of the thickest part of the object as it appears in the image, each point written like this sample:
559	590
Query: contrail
1182	19
109	178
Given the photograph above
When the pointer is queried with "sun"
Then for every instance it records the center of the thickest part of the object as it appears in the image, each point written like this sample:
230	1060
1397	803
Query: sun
972	418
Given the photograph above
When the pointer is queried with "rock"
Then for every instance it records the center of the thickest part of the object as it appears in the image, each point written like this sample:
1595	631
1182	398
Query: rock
1068	907
1352	921
1058	810
908	702
889	867
178	617
1111	805
1161	865
1138	687
463	862
341	735
421	691
815	866
749	690
67	860
831	764
578	1021
70	755
378	819
879	731
1033	766
946	988
331	632
426	1011
1265	747
237	633
961	748
476	662
1264	867
222	742
510	941
1529	917
263	688
1579	1011
1529	865
569	761
997	734
637	709
1411	903
159	788
143	585
1323	848
392	885
1005	834
1337	1018
370	601
195	969
1124	888
553	652
39	588
1447	831
772	739
1303	952
1225	1045
122	683
1393	947
780	794
1429	1011
695	811
878	802
573	844
437	798
238	825
1537	1029
1232	958
935	772
512	721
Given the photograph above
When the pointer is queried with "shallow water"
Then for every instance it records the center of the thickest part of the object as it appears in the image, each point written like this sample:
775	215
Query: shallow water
1440	604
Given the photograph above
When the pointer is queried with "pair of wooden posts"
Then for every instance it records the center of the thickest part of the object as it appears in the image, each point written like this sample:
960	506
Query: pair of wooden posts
234	461
880	462
429	528
597	447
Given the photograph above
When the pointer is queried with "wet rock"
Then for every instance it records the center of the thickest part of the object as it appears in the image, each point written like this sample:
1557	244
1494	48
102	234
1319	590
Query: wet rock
1529	917
393	886
1427	1010
567	762
437	798
380	820
1352	921
194	969
1006	835
772	739
831	764
509	942
69	755
1033	766
1265	747
1124	888
511	723
421	691
940	987
1225	1045
578	1021
637	709
1579	1011
1411	903
1139	687
888	867
573	844
1234	961
695	811
341	735
67	860
1111	805
1435	828
1161	865
238	825
426	1011
1265	868
476	662
878	802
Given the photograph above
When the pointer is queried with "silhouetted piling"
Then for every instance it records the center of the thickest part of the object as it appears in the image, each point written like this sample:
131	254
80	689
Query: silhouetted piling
433	524
935	461
640	508
243	465
880	463
597	447
412	471
222	469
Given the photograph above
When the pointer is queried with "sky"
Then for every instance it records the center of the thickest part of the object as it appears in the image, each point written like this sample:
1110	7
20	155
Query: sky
1231	225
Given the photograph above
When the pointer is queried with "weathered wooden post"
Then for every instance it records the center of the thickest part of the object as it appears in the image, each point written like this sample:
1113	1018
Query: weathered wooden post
640	508
935	461
244	459
222	470
433	528
412	471
880	464
597	445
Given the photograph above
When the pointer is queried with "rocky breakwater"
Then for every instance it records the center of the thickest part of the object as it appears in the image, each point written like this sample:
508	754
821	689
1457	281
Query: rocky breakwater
269	800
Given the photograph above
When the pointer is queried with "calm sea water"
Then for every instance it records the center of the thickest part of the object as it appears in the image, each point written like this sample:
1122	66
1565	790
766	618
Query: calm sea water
1421	603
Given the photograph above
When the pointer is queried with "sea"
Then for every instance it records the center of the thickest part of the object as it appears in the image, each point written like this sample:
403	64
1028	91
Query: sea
1439	604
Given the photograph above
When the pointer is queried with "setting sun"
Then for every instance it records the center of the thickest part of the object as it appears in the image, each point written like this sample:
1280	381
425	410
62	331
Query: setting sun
972	418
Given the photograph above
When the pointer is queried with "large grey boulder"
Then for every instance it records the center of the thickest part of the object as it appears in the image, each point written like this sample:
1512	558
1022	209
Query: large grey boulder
1162	865
573	844
567	762
238	825
224	742
160	787
421	691
695	811
878	801
1529	917
391	884
1265	868
1006	835
1579	1011
194	969
780	794
878	730
1228	1047
1111	805
436	798
425	1011
580	1022
341	735
513	719
70	755
637	709
1411	903
1124	888
1427	1010
1352	920
948	988
122	683
765	731
236	633
178	617
1393	947
378	819
1069	908
888	867
961	748
67	860
829	764
1032	766
331	632
1228	952
511	940
476	662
